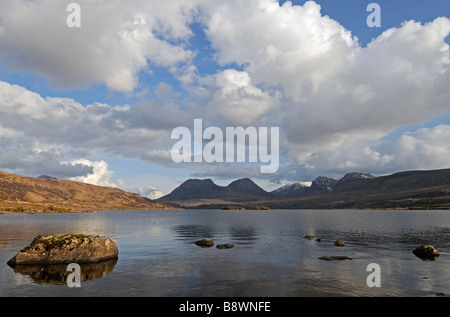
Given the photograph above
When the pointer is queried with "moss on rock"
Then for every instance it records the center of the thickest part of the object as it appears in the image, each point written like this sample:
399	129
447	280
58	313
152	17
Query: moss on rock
66	248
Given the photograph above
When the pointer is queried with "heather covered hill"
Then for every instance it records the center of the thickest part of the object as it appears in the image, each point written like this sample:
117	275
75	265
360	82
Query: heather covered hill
19	193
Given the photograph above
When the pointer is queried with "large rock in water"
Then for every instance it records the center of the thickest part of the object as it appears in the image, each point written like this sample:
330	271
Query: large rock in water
66	248
426	252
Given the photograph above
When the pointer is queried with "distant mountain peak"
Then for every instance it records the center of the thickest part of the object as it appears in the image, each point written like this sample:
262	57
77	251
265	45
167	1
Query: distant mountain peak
292	190
46	177
355	175
198	181
246	185
240	189
242	182
245	179
195	189
324	184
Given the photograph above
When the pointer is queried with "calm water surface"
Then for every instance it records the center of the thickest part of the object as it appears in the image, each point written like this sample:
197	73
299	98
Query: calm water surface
271	258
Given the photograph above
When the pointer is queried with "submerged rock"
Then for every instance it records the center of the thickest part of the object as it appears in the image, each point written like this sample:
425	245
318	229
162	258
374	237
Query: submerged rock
64	249
335	258
309	236
205	243
225	246
426	252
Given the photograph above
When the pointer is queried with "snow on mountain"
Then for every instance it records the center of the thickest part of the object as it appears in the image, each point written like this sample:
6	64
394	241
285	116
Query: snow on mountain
292	190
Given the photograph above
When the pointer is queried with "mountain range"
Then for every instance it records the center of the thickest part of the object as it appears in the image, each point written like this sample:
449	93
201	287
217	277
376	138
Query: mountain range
242	190
403	190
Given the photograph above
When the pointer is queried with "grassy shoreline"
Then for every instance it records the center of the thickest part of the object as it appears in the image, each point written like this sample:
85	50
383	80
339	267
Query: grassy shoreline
9	207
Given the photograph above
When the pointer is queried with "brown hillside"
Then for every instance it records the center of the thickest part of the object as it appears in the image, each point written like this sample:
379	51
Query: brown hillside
19	193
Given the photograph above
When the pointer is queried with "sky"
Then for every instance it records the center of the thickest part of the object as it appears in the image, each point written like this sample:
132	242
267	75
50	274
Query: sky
97	100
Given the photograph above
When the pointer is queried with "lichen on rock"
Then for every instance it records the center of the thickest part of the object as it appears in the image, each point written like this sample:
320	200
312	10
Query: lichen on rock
66	248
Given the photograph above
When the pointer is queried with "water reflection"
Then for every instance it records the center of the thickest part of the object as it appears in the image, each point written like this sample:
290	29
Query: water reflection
271	257
57	274
440	237
243	235
189	232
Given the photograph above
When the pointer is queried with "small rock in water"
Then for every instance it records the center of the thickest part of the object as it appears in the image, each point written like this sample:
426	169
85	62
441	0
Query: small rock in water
319	240
225	246
309	237
205	243
426	252
339	243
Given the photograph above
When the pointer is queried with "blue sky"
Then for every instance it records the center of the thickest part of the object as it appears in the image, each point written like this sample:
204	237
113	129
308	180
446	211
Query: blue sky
98	103
352	14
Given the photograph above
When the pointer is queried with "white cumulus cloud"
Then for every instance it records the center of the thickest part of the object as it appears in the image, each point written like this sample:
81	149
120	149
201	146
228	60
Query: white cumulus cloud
148	191
116	40
100	175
